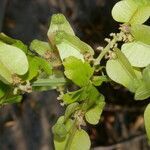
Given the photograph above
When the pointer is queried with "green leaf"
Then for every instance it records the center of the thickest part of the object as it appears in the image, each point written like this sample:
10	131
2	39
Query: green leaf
49	83
17	43
33	68
3	89
7	39
40	47
69	45
141	33
21	46
93	115
52	81
61	128
131	11
44	65
147	120
81	141
61	134
146	76
60	143
5	74
98	80
125	63
66	50
13	59
77	71
71	97
11	100
137	53
118	74
70	109
93	96
142	93
35	65
58	23
89	94
120	71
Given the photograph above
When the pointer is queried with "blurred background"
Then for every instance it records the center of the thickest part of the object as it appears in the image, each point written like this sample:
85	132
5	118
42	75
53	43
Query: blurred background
27	126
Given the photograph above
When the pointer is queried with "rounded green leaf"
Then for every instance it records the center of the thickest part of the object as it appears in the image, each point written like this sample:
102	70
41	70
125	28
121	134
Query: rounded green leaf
117	72
65	50
40	47
5	74
141	33
69	45
93	115
146	76
137	53
147	120
59	23
81	141
142	93
131	11
59	129
60	141
98	80
70	110
74	41
14	42
71	97
77	71
13	59
3	89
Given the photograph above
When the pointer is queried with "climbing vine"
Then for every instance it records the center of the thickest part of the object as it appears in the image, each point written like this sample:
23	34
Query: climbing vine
65	61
